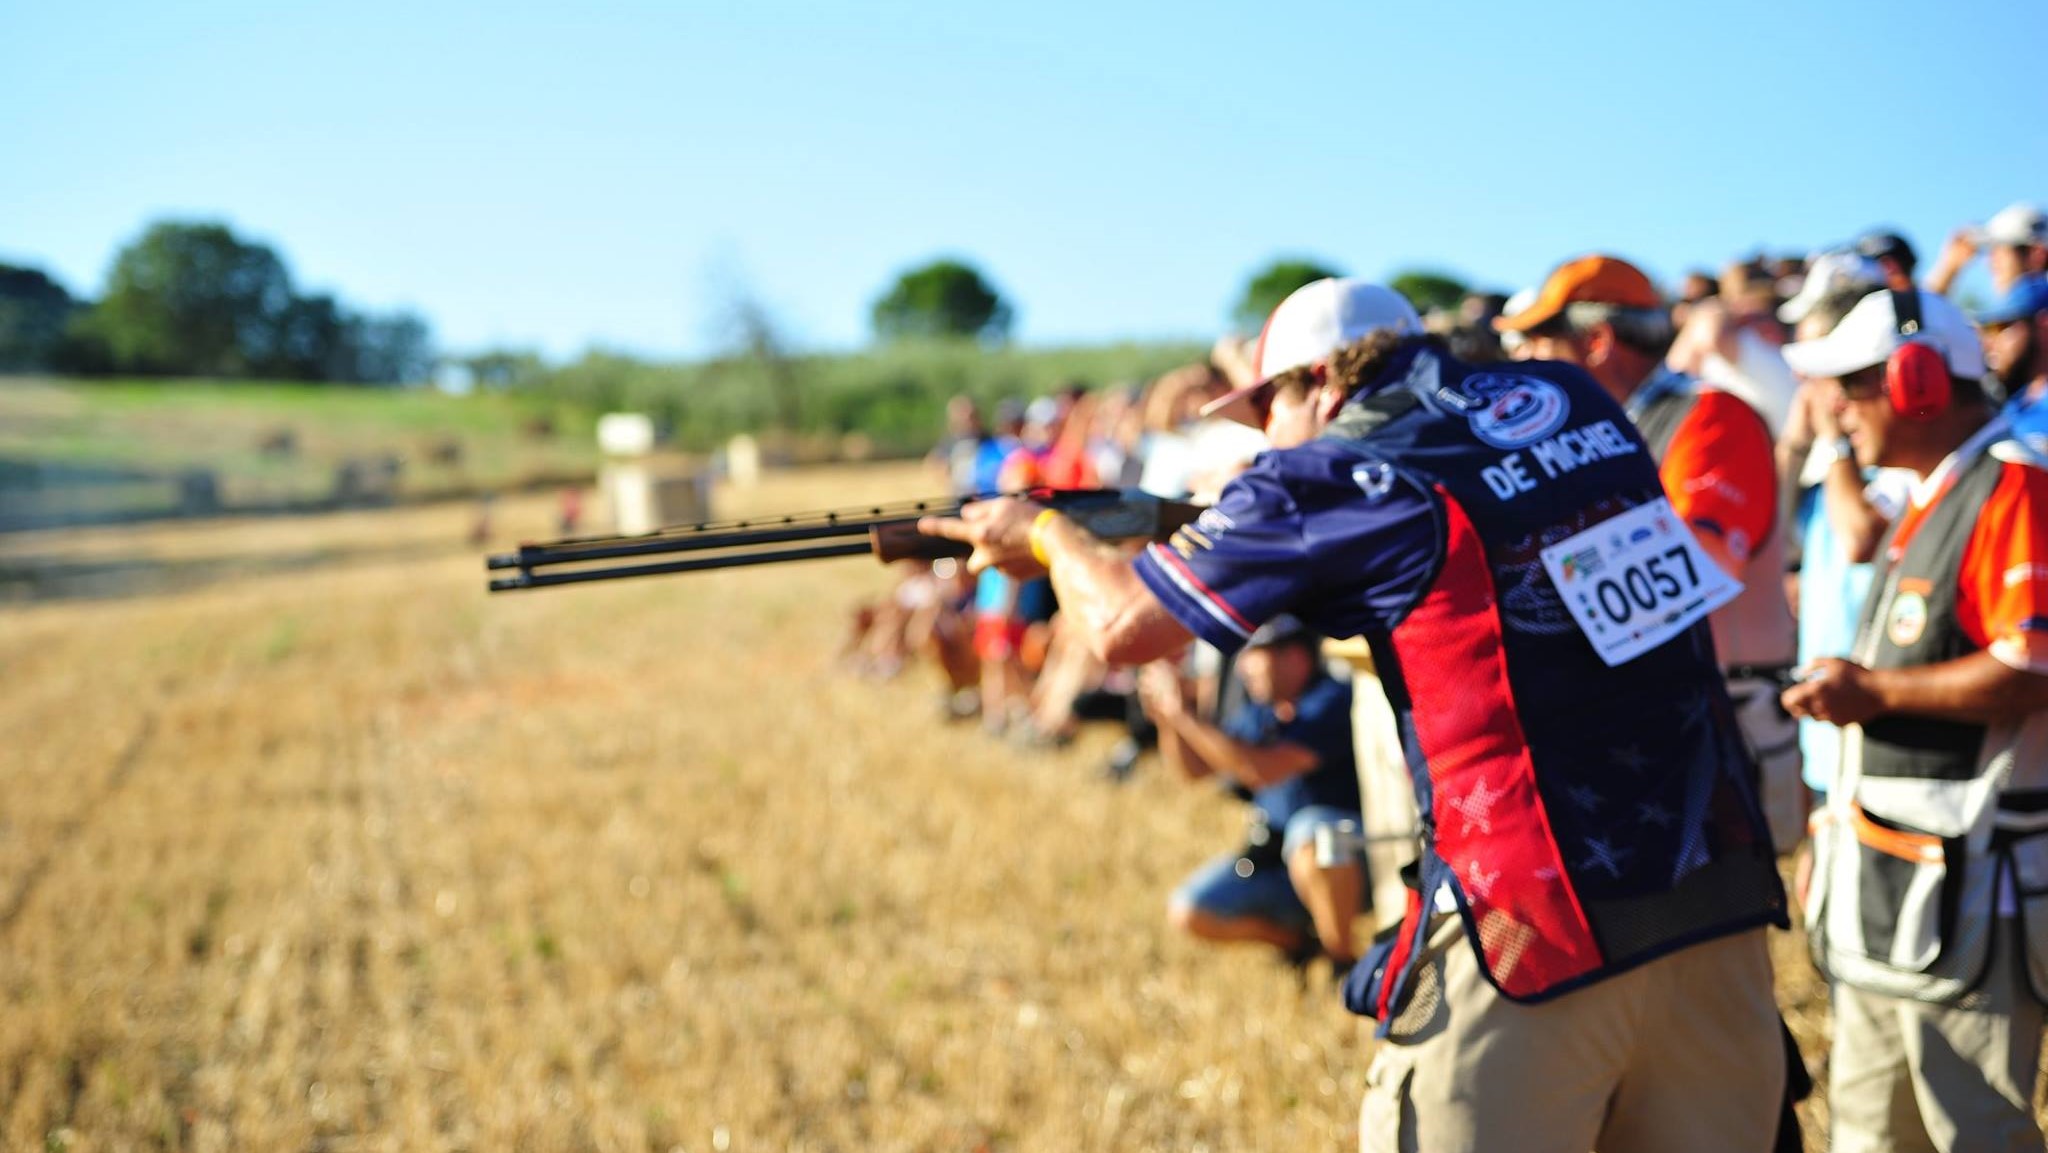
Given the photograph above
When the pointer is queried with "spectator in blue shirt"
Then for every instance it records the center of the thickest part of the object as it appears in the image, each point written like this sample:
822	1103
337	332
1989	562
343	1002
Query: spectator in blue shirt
2015	332
1298	882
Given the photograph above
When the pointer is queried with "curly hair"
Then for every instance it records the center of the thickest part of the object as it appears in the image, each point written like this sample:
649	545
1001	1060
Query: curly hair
1361	363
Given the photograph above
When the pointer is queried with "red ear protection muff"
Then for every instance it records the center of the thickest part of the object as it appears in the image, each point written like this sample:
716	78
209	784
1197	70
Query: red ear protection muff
1915	377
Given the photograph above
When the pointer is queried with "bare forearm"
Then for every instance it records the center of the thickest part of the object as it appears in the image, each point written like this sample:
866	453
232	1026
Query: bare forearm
1122	622
1253	766
1790	457
1214	748
1183	760
1977	689
1850	511
1944	275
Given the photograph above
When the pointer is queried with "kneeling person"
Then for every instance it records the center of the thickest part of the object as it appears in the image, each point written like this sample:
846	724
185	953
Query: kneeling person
1298	882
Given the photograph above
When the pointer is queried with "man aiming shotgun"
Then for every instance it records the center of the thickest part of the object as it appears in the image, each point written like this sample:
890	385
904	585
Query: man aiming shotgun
1582	964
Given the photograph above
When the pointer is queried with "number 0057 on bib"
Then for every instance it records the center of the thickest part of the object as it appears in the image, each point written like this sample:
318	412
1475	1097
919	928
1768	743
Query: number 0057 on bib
1636	580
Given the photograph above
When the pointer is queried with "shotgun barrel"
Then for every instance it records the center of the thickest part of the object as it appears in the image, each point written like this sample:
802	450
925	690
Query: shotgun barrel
887	532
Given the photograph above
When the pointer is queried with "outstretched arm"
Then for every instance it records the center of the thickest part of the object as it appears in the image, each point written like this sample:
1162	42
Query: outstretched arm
1120	619
1253	766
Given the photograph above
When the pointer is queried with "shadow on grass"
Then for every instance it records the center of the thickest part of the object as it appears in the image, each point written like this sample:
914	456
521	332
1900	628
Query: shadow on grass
32	578
42	495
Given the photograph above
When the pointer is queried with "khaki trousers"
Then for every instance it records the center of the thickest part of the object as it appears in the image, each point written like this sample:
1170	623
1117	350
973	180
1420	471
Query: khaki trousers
1679	1055
1919	1078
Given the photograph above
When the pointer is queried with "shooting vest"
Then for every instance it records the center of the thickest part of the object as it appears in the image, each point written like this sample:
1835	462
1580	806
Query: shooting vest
1755	635
1927	814
1756	628
1582	819
1660	405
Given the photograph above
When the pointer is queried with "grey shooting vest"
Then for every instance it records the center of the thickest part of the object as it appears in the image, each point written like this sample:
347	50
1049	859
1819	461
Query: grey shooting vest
1927	814
1660	406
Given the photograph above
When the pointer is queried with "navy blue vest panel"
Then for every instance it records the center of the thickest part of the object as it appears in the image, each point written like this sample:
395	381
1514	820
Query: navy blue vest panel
1587	818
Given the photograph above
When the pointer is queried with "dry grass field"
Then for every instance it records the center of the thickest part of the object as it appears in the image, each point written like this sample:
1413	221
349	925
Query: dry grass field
309	845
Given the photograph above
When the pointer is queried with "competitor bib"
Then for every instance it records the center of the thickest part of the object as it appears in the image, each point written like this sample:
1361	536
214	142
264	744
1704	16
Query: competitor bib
1636	580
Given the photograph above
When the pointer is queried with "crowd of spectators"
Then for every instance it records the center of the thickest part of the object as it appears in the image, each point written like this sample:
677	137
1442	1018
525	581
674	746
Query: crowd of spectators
1004	664
1737	381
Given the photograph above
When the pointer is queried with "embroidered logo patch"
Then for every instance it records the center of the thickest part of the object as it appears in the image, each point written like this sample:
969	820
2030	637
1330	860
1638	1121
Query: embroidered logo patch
1519	410
1908	619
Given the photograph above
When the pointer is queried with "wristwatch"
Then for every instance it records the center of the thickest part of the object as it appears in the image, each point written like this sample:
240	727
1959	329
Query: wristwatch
1840	448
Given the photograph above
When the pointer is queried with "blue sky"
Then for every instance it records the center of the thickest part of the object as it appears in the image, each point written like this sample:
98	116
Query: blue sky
537	175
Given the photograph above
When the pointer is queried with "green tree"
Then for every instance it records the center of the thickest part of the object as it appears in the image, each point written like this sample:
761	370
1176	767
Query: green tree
1428	290
34	311
194	299
943	298
83	349
1264	292
314	341
505	368
393	349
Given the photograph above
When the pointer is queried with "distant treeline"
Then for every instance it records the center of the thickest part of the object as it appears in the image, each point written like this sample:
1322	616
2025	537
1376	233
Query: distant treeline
894	395
940	331
194	299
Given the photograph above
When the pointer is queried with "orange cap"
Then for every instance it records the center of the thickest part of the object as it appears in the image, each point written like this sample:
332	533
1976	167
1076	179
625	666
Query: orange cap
1592	279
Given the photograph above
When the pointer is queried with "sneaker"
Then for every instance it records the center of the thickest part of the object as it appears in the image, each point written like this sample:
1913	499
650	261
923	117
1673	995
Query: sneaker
1305	960
1307	953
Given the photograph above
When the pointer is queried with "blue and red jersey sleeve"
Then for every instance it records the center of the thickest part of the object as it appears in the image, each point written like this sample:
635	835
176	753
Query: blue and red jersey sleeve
1346	545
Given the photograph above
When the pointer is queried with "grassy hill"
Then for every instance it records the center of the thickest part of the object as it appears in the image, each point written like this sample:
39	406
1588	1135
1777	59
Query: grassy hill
85	451
114	450
891	396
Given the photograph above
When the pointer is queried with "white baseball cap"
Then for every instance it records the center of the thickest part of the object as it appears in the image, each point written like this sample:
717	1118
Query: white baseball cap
1870	334
1314	321
1830	272
2014	225
1510	340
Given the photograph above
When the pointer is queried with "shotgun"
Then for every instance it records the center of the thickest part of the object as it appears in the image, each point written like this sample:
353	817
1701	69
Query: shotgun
887	532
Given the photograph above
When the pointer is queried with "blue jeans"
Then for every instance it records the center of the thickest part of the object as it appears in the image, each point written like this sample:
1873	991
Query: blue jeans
1235	887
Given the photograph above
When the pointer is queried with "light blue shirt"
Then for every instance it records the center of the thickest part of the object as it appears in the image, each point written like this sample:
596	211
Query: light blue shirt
1831	594
1832	590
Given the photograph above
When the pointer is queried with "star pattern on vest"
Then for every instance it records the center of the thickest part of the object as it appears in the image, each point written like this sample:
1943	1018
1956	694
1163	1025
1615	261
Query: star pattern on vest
1629	757
1478	881
1604	856
1652	813
1476	808
1586	797
1692	855
1529	602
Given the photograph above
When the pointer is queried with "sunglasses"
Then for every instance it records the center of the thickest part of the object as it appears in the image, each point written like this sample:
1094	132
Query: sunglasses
1863	385
1261	400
